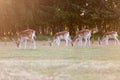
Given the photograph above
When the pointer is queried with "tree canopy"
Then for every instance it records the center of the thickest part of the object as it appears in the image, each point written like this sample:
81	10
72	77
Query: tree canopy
47	16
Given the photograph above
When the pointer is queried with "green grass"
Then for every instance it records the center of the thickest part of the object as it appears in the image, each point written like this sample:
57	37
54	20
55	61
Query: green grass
59	63
44	51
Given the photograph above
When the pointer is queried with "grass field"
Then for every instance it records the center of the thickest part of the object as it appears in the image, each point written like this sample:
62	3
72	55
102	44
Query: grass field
59	63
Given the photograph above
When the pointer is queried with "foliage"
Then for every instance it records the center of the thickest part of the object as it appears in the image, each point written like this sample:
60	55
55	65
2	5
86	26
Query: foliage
58	15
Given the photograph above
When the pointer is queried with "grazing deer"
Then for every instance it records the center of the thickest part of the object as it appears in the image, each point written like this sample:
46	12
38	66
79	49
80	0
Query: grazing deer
110	35
59	36
24	36
82	34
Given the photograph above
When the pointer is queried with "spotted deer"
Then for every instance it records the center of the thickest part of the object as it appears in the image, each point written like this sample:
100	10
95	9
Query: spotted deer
59	36
110	35
24	36
85	35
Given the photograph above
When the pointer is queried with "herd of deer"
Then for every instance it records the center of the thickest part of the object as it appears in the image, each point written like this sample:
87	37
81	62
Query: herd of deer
82	35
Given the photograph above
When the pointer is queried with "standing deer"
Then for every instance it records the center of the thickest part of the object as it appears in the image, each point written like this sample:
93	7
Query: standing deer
82	34
59	36
110	35
24	36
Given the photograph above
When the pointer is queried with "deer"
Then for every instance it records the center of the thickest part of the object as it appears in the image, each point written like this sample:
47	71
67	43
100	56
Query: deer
63	35
24	36
110	35
85	35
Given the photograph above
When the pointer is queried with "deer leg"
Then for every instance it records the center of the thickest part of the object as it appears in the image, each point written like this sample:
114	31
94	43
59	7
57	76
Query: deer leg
80	42
117	41
85	41
19	45
25	44
106	42
55	41
33	44
73	43
89	41
58	41
66	40
52	42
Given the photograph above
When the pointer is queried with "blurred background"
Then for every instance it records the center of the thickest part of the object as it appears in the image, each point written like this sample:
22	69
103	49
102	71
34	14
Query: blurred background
50	16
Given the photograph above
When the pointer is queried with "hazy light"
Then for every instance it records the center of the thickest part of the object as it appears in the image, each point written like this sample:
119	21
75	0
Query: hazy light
83	13
86	4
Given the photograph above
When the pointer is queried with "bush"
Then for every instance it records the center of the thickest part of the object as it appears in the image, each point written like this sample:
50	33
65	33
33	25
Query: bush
6	38
43	37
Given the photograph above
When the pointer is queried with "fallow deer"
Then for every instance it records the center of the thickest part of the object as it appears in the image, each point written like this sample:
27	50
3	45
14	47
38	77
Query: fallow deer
110	35
24	36
84	34
59	36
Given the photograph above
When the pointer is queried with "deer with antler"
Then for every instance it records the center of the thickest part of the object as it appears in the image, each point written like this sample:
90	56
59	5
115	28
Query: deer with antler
59	36
110	35
24	36
85	35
